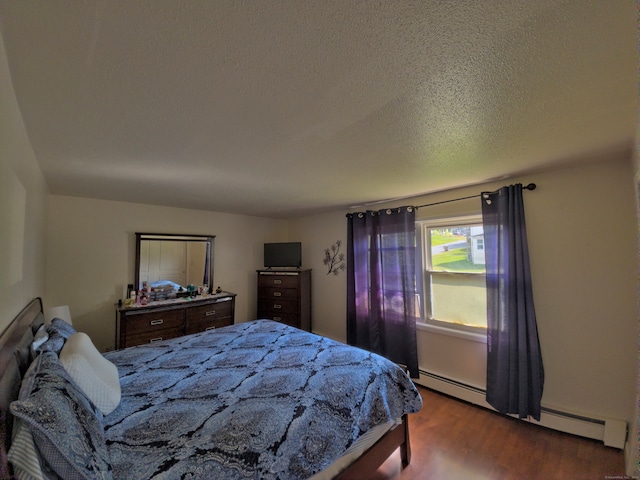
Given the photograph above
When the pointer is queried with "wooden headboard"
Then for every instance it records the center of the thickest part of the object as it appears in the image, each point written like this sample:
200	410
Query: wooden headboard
15	341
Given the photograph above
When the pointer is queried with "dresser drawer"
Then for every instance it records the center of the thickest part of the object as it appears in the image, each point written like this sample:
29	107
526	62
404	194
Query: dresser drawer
210	323
138	323
282	281
276	293
152	336
209	311
163	320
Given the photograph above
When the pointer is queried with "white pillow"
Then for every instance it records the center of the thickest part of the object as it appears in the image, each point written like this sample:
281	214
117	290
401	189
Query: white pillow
39	338
96	376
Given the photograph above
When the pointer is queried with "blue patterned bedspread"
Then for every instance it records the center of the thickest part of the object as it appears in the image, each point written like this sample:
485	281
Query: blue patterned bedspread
256	400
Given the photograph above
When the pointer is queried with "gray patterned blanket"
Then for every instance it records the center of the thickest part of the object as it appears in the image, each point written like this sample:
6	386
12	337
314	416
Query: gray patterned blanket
256	400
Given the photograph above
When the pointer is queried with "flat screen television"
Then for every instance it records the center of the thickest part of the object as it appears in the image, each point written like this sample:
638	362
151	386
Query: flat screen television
283	255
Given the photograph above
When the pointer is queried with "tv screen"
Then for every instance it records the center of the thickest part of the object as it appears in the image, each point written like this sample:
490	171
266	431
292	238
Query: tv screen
285	254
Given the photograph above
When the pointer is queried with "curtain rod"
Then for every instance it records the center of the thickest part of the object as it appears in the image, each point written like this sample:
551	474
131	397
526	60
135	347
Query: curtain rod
531	186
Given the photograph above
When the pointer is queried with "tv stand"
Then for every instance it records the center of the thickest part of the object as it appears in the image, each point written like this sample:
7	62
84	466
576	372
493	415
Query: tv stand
284	295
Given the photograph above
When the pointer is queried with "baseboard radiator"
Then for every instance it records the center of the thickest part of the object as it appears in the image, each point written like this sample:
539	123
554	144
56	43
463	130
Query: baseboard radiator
612	432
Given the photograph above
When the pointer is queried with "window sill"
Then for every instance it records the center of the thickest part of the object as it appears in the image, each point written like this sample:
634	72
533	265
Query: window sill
452	332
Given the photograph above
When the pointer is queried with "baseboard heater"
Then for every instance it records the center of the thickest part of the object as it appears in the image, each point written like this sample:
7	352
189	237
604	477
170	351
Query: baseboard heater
612	432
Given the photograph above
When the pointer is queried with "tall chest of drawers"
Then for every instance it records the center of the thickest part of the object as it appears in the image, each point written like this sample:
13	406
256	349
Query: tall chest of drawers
169	319
285	296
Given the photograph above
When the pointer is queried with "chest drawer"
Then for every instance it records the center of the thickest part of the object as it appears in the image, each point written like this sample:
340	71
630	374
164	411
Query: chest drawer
290	319
276	293
285	296
138	323
269	307
278	281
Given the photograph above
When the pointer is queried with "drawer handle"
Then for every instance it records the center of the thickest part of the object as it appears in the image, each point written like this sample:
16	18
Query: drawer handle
212	312
277	306
157	322
277	319
209	328
157	339
277	282
277	294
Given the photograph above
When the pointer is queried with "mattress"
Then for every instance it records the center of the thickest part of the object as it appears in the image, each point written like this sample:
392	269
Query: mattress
253	400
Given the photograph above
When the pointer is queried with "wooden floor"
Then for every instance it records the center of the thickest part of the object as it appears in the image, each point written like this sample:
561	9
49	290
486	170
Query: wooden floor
453	440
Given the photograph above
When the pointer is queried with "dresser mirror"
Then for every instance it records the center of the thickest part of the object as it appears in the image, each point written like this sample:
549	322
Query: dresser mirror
174	260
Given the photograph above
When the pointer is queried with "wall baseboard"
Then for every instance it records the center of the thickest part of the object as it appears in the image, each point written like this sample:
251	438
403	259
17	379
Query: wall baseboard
612	432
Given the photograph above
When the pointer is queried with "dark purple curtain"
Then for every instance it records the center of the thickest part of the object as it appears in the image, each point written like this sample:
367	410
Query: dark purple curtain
381	284
515	375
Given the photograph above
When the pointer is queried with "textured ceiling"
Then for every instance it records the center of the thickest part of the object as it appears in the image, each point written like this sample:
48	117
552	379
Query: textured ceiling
285	108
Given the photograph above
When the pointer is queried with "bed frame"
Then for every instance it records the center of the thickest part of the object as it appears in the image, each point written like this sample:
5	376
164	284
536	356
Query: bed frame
366	465
14	361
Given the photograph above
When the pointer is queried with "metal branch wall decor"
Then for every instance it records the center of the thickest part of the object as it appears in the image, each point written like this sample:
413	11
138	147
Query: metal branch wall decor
333	259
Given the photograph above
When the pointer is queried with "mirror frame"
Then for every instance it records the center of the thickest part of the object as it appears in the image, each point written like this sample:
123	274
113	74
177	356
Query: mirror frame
209	239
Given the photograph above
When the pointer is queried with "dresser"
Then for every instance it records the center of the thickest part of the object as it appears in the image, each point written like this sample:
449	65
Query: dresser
285	296
172	318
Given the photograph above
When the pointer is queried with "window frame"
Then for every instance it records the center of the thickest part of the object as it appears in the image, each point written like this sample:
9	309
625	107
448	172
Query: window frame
423	260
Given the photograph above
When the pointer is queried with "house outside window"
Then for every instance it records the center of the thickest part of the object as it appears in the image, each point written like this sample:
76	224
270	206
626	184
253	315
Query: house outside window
453	284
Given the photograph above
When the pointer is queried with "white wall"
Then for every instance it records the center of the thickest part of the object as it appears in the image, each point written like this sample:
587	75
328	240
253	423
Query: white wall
23	195
581	229
633	447
328	292
91	255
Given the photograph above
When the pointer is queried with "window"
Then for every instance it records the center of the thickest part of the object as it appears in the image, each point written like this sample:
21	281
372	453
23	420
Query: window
453	266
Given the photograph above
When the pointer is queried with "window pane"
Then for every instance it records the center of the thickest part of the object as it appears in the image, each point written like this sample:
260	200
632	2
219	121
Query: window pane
455	280
457	248
459	299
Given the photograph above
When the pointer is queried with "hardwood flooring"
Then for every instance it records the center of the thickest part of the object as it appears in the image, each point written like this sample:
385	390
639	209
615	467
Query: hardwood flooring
454	440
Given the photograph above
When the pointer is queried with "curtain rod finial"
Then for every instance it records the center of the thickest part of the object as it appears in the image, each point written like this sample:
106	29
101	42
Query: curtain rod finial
531	186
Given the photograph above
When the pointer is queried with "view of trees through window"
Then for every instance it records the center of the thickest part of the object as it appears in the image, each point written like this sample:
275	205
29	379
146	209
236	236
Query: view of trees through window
455	290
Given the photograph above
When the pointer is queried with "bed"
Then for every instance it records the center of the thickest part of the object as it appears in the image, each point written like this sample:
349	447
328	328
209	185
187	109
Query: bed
254	400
